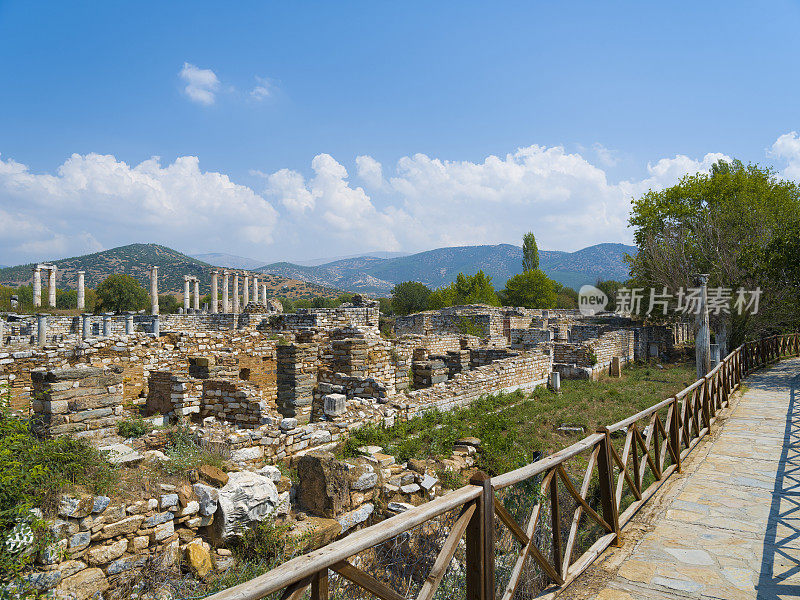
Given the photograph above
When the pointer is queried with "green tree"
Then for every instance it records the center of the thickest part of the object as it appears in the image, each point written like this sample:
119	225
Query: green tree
118	293
718	223
566	298
530	252
68	299
410	297
531	289
466	289
168	304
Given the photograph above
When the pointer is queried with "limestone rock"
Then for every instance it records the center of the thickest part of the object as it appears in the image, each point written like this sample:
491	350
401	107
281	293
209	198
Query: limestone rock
120	454
315	532
82	585
207	497
247	498
354	517
323	489
186	494
101	555
213	475
270	472
198	559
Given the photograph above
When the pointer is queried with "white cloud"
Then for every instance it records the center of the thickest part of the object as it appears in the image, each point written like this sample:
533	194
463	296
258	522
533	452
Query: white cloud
201	84
787	148
97	201
370	171
262	90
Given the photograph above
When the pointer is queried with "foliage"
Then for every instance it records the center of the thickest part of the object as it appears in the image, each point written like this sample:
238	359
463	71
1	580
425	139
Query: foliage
566	298
514	428
168	304
185	453
531	289
33	472
133	428
719	223
450	480
24	295
118	293
530	252
68	299
610	288
410	297
466	289
385	306
467	326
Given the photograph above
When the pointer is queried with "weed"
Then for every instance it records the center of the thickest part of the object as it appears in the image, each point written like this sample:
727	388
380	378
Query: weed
133	428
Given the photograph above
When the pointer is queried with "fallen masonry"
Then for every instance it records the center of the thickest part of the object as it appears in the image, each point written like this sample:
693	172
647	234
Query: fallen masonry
268	390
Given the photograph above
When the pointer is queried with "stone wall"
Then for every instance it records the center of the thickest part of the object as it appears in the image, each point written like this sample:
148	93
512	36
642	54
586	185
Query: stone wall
83	402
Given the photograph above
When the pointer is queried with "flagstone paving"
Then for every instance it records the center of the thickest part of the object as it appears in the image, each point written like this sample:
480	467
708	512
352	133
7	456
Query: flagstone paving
728	527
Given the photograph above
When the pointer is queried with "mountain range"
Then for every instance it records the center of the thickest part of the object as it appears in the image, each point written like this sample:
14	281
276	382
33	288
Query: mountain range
136	260
435	268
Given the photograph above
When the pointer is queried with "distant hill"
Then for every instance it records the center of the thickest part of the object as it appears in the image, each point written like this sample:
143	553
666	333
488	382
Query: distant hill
439	267
136	260
229	260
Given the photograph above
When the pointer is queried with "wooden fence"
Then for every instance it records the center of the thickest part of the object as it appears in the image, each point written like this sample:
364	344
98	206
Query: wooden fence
623	465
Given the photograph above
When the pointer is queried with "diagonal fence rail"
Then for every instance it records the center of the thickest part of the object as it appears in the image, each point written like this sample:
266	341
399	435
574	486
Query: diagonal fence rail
529	532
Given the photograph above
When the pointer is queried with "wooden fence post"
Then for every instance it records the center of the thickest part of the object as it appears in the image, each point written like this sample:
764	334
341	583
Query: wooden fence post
480	542
675	433
605	474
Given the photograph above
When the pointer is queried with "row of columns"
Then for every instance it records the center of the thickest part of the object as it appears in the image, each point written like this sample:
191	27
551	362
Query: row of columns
227	305
51	286
86	327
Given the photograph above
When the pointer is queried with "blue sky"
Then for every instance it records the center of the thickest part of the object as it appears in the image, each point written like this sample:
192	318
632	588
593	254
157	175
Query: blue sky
474	122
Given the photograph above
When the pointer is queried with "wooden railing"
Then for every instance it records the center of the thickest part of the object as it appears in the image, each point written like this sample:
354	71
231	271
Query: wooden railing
623	465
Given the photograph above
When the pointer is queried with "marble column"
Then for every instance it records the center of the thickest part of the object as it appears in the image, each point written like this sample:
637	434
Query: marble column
154	290
51	288
255	289
2	332
225	307
246	290
264	293
702	343
185	294
106	325
37	286
81	291
86	326
156	326
214	291
41	329
128	324
236	293
196	294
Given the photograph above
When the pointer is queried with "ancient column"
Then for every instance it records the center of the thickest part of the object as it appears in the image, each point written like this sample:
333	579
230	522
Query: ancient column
196	294
264	293
185	293
225	307
86	326
156	326
154	290
214	291
246	290
235	292
51	287
37	286
702	342
2	332
128	323
41	329
255	289
81	291
107	325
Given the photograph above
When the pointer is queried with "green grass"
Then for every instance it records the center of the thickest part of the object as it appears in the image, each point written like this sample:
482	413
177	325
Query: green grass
514	427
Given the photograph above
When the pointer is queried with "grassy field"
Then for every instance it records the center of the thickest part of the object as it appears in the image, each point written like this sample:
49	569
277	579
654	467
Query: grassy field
515	428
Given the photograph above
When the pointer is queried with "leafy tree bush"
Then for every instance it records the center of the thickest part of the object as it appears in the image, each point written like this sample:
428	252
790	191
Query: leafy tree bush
119	293
530	252
566	298
466	289
33	472
410	297
133	428
68	299
531	289
168	304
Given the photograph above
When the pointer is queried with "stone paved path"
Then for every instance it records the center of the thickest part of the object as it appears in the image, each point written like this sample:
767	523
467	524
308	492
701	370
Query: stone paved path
729	526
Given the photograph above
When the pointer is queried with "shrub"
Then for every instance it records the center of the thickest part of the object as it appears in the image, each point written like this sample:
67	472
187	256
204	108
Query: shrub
449	479
186	453
33	473
467	326
133	428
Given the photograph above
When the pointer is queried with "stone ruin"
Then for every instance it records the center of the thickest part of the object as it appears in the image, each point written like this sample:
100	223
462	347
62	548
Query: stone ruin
266	388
